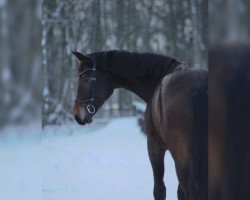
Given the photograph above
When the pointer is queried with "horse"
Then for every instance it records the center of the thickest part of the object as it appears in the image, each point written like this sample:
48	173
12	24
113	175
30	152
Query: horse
175	116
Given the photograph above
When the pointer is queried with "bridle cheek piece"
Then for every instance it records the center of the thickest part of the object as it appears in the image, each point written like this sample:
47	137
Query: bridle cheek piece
89	103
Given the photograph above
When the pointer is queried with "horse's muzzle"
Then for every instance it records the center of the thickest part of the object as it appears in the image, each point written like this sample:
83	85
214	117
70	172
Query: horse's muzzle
80	122
81	116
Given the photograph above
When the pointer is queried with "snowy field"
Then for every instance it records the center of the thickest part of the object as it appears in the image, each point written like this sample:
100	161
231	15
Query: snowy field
105	162
20	163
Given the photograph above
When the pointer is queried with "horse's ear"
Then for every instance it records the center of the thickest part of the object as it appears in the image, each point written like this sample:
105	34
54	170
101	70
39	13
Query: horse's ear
80	57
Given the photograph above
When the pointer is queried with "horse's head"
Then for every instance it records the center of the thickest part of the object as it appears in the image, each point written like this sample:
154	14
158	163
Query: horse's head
94	88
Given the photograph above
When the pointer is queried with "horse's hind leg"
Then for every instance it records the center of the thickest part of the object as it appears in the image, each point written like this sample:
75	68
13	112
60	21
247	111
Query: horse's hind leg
156	156
180	193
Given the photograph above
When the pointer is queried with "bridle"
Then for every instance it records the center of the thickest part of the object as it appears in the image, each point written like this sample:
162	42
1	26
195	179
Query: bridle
89	103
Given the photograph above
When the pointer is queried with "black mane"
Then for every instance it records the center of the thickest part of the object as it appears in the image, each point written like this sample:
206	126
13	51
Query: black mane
123	63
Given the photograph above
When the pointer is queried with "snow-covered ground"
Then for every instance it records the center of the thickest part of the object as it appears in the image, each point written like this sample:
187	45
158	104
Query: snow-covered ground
104	162
20	163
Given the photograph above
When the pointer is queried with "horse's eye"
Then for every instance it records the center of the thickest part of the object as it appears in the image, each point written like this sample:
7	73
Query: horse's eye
85	80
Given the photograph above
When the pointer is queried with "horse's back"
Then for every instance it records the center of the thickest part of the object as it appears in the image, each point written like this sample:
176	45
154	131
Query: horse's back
184	81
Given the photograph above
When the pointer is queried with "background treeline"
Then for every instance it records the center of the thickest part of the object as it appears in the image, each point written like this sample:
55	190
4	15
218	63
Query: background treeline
20	61
229	21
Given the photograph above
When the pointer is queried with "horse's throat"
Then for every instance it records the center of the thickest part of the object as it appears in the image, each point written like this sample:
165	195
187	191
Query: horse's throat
144	89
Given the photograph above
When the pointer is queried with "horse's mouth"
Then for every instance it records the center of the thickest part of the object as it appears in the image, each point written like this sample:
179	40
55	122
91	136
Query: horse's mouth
80	122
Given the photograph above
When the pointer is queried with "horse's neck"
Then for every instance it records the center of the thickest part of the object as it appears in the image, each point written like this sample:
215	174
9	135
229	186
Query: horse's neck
145	87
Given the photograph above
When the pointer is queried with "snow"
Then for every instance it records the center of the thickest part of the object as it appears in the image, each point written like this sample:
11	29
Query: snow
139	105
20	163
45	91
107	163
97	162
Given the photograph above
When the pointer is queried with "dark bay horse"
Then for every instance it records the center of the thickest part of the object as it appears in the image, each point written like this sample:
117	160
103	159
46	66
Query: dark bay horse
176	114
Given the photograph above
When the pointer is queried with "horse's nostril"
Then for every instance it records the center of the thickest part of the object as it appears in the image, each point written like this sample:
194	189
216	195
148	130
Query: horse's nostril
79	121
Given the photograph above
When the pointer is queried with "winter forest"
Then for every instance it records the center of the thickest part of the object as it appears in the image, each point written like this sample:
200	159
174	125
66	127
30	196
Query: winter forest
173	28
44	153
176	28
